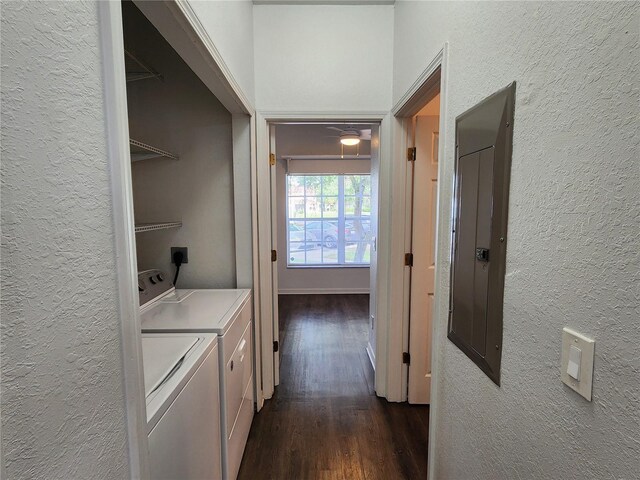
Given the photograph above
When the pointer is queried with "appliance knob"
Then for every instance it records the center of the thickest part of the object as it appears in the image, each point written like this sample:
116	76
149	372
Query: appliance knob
160	277
153	282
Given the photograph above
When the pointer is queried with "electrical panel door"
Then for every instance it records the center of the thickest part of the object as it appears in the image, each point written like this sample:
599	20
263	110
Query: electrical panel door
483	163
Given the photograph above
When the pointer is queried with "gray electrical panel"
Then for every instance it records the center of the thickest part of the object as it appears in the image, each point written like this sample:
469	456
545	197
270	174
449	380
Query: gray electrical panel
484	141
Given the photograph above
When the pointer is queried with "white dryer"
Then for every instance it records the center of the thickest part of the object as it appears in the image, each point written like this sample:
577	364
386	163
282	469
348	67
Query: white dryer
228	315
181	380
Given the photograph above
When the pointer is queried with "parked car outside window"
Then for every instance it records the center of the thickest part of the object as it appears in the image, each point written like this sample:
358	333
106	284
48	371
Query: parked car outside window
298	237
325	232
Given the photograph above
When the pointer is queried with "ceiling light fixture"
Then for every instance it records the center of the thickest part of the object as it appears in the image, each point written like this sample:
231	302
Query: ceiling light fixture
349	138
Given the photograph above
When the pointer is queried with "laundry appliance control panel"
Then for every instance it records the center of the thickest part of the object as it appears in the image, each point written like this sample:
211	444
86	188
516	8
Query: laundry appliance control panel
151	285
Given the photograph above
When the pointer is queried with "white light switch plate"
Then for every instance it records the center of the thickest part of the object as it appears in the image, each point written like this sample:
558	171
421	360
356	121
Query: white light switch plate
583	384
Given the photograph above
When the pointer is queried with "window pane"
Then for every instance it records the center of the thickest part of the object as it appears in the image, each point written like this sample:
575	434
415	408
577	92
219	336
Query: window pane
329	255
295	185
296	207
357	185
367	184
357	206
330	234
357	230
357	253
350	185
330	207
296	253
314	254
330	185
313	185
366	206
313	207
352	206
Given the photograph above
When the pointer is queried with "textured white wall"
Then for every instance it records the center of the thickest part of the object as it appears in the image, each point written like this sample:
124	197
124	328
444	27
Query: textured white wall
323	57
181	115
63	410
229	23
573	246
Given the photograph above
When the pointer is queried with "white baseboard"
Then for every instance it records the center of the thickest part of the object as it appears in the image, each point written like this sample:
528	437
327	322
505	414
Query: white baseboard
322	291
372	356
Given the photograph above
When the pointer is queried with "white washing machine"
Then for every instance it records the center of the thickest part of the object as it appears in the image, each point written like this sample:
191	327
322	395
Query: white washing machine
181	382
228	315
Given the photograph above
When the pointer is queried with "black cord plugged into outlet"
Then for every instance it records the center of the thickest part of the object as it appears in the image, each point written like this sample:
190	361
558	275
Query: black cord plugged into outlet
178	257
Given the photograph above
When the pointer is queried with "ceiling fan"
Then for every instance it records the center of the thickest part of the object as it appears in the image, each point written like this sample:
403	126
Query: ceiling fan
351	136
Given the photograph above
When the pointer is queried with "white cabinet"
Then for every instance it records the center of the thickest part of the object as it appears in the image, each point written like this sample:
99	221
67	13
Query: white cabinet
236	385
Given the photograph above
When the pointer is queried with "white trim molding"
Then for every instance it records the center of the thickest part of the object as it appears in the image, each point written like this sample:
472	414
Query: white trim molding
322	116
441	281
372	356
115	92
412	97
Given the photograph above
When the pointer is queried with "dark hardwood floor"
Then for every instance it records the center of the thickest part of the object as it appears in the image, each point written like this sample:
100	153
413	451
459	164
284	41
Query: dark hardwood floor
324	420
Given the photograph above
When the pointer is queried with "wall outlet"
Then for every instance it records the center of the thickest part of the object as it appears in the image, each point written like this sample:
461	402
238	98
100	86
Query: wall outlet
185	253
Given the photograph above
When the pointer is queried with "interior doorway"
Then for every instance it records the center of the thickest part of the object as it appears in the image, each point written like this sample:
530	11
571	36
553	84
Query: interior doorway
432	82
422	180
416	285
324	197
324	213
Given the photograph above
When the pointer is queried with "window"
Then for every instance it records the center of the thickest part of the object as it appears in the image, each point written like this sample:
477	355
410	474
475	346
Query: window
328	220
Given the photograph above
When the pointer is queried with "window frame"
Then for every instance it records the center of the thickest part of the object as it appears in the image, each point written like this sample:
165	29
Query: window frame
340	221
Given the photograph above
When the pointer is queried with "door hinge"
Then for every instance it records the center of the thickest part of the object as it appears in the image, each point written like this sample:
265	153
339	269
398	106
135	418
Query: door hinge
406	358
408	259
274	255
276	346
411	154
272	159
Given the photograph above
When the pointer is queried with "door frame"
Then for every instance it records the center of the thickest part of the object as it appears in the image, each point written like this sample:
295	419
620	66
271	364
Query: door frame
408	105
177	22
119	161
263	218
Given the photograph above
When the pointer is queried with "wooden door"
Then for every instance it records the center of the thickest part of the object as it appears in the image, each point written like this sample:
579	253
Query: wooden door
423	238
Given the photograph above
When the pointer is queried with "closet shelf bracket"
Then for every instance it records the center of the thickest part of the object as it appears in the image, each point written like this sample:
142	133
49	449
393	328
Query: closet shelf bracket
141	72
142	151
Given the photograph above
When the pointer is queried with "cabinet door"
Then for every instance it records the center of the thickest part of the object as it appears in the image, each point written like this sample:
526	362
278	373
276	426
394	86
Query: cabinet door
240	411
238	372
483	164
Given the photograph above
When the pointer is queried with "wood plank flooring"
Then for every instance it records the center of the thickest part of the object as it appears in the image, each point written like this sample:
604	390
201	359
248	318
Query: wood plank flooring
325	421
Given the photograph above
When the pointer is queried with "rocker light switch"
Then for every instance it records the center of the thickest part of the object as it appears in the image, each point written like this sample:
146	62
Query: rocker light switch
577	362
573	369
